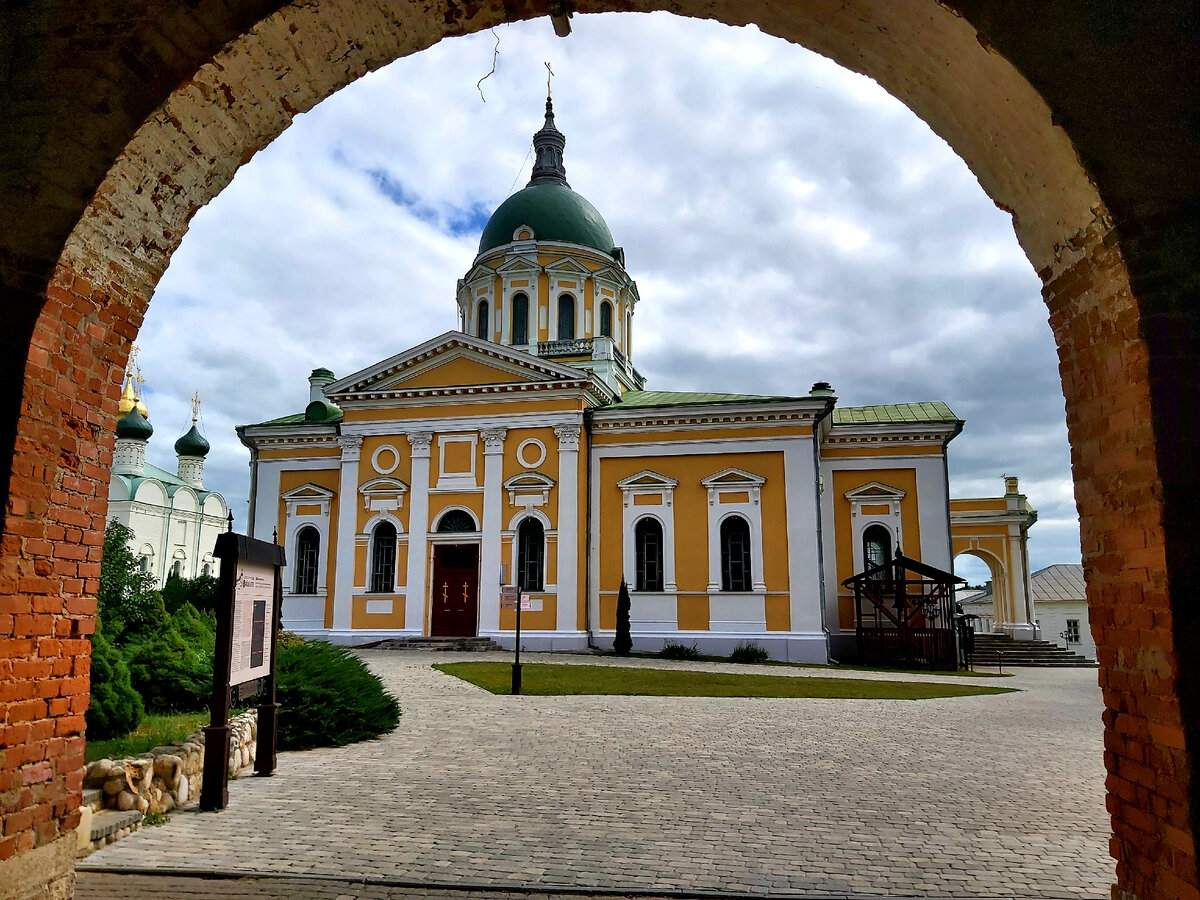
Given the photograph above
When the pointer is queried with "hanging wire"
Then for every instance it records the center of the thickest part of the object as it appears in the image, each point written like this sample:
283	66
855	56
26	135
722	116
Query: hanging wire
528	153
495	58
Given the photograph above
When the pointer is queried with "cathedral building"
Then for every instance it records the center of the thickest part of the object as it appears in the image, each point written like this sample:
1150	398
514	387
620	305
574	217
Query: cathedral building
524	449
174	519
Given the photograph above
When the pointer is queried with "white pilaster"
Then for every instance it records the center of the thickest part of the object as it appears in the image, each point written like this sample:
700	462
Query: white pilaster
418	532
343	589
489	553
568	526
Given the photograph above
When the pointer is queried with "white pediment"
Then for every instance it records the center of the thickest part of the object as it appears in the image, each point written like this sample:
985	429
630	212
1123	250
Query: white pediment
568	266
529	489
874	492
649	480
313	492
519	265
510	366
733	478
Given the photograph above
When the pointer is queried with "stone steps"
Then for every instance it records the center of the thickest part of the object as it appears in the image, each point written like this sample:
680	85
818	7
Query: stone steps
449	644
1000	649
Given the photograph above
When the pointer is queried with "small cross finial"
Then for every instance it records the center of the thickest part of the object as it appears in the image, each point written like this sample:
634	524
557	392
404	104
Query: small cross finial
131	364
549	74
195	406
137	382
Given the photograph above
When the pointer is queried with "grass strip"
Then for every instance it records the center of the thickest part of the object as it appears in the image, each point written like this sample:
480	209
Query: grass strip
828	667
152	732
550	679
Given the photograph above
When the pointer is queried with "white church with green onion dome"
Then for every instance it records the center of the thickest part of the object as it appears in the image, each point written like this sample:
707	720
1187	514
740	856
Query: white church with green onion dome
524	449
174	519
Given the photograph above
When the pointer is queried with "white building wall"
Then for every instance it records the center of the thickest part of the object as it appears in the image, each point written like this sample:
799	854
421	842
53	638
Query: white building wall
1053	617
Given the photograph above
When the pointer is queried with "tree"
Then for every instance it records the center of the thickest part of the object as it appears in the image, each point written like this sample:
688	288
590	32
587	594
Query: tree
127	603
623	643
200	592
114	707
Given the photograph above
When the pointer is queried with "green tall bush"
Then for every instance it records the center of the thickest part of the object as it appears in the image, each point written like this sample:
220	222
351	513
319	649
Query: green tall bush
114	708
127	603
623	642
328	697
170	673
200	592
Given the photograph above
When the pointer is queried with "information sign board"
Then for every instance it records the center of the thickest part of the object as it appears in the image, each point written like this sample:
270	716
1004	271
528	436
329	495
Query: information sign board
253	593
508	596
526	603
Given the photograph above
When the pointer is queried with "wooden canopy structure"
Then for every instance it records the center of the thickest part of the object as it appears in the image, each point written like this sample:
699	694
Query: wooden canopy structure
904	614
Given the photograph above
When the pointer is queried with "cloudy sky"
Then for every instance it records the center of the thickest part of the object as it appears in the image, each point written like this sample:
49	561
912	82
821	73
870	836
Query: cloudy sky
787	221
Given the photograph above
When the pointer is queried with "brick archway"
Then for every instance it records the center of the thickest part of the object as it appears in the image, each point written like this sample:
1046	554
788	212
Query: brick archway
135	121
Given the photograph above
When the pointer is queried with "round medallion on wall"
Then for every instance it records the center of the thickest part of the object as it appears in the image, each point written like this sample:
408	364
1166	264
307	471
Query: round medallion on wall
385	459
531	453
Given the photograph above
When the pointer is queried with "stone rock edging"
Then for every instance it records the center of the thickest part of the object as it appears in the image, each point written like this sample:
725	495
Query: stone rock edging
169	777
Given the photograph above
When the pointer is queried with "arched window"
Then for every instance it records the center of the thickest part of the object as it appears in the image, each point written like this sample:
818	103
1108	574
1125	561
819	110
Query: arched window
877	548
144	563
383	558
735	555
177	569
606	319
648	552
308	548
455	520
520	319
531	551
566	317
206	571
481	321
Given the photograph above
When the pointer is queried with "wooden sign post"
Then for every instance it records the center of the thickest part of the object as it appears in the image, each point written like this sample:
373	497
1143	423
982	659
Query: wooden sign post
249	606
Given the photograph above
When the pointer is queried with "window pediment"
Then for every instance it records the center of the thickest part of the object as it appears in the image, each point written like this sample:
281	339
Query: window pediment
531	486
383	493
874	492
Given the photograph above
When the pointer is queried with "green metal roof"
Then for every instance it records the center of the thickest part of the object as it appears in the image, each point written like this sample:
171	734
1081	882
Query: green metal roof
170	480
687	398
894	414
294	419
192	444
554	212
135	426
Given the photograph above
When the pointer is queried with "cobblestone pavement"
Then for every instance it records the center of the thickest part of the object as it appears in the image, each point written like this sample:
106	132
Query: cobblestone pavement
991	796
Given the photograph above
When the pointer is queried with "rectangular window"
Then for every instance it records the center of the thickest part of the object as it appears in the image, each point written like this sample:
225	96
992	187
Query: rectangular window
1073	631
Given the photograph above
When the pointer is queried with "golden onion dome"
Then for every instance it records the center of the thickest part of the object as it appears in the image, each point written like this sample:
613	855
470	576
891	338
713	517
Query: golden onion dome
129	401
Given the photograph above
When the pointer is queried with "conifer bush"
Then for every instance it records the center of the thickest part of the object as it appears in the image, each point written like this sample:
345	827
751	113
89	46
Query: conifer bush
114	708
328	697
169	673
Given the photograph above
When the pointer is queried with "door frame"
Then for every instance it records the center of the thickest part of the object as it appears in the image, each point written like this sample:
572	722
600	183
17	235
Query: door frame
437	542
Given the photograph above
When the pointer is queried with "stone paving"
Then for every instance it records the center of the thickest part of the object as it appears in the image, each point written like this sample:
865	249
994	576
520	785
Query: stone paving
990	796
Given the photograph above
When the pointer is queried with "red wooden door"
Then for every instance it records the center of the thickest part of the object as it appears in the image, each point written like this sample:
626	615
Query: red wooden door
455	590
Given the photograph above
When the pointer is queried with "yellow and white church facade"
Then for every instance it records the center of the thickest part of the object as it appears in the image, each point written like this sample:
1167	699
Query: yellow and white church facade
524	449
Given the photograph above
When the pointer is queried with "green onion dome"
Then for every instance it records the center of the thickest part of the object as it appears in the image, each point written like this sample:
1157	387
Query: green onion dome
192	444
134	426
547	205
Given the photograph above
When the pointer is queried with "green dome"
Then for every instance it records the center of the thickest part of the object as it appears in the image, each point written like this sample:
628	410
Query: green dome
554	212
135	426
192	444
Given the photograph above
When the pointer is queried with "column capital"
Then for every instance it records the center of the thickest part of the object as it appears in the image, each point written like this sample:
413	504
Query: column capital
568	436
420	441
351	445
493	439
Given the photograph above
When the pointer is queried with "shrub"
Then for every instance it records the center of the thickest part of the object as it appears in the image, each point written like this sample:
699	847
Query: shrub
328	697
200	592
169	673
623	642
746	652
676	650
115	708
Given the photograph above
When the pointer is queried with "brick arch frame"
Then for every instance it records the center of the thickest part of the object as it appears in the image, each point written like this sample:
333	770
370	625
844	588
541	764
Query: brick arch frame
1124	347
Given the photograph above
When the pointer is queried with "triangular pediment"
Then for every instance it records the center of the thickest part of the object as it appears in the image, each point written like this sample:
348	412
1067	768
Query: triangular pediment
647	479
875	490
477	272
568	265
454	360
518	265
733	477
308	492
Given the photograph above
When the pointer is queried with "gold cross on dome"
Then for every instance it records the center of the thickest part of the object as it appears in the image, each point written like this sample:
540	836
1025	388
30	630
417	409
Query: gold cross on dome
195	406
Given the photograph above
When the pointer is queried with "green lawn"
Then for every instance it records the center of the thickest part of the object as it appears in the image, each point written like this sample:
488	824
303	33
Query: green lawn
153	731
552	679
951	673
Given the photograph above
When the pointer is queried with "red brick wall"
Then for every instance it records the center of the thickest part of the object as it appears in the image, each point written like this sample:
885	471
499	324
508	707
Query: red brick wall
50	557
1104	364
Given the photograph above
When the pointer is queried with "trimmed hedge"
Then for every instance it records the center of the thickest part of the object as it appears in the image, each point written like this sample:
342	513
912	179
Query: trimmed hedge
328	697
